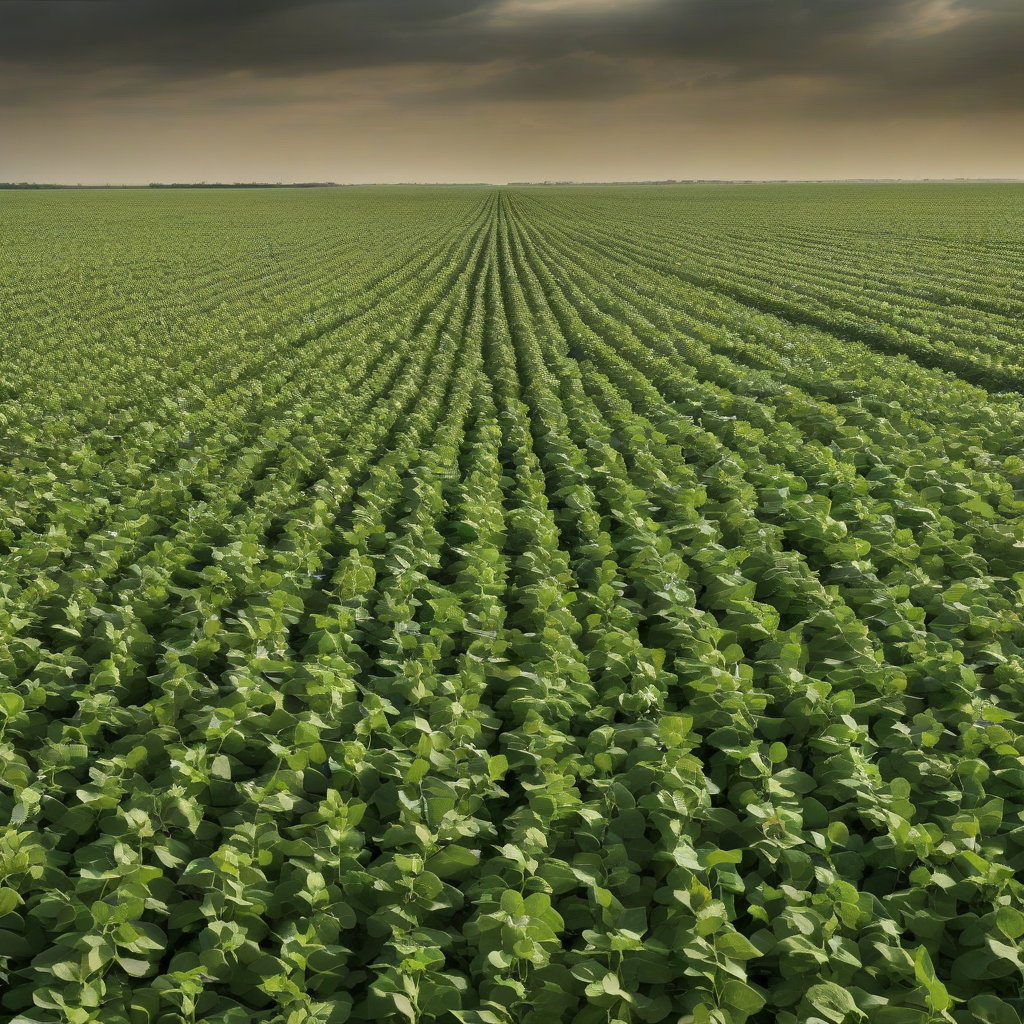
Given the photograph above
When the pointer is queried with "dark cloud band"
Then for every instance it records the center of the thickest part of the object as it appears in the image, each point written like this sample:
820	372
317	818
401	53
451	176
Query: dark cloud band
946	54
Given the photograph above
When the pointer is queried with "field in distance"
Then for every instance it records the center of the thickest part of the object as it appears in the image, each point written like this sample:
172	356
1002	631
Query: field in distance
542	605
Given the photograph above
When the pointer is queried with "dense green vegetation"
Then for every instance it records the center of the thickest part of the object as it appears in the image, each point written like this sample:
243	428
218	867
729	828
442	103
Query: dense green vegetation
529	605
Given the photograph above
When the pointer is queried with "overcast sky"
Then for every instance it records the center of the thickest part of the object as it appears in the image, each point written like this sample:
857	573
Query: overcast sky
498	90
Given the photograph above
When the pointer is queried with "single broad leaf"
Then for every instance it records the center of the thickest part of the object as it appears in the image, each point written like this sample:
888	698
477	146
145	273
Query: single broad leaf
136	968
403	1005
511	902
1010	922
610	983
735	946
716	857
990	1009
833	1002
9	901
923	969
738	995
453	861
267	966
838	833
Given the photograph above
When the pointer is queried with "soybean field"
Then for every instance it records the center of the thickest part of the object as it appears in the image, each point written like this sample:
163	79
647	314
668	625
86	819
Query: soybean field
540	605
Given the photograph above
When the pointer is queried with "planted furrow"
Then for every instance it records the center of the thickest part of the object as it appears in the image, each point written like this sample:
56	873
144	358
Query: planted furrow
979	367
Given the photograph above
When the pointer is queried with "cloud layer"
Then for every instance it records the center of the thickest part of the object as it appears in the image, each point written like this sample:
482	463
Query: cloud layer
711	59
965	51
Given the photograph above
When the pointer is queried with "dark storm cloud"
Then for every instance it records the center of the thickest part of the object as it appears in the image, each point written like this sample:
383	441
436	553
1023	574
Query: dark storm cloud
943	54
185	36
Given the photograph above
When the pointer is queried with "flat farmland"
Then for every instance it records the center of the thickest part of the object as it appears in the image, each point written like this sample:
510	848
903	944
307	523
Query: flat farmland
584	605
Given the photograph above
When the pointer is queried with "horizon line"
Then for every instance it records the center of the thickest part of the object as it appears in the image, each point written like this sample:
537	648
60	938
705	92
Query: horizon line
29	185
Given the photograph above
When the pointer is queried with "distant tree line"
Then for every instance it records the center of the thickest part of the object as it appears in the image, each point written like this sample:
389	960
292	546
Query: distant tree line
30	185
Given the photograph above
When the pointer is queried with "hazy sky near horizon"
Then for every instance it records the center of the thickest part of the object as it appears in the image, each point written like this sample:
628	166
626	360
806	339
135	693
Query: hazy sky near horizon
132	91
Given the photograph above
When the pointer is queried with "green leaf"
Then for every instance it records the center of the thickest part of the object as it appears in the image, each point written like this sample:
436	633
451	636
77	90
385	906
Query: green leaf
453	861
267	966
610	984
1011	922
899	1015
990	1009
716	857
480	1017
403	1005
838	833
738	995
833	1002
9	901
923	969
674	729
11	704
735	946
511	903
136	968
